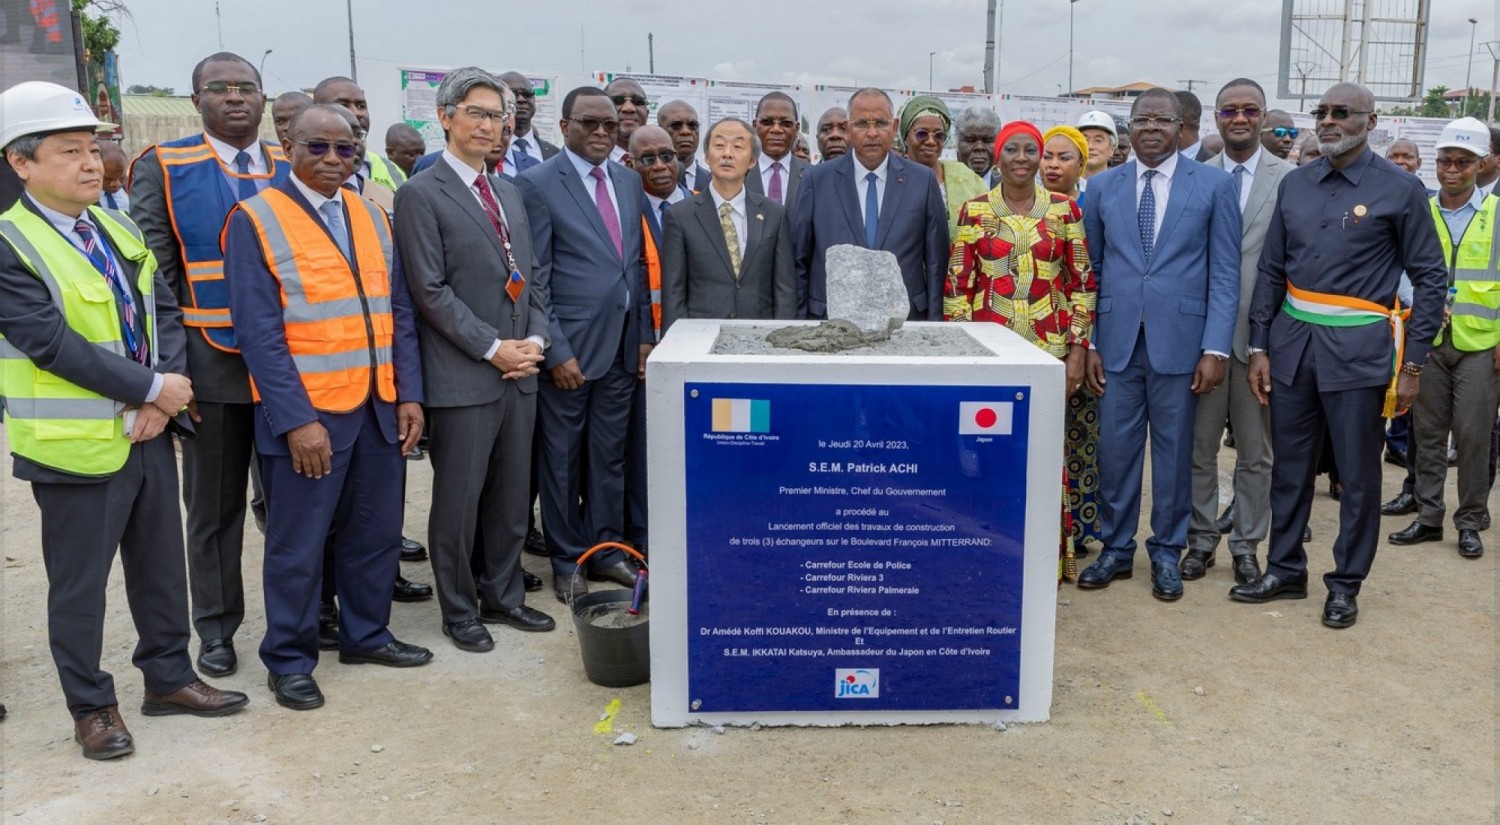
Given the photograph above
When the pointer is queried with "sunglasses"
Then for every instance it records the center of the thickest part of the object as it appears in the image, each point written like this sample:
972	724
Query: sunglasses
1232	112
649	160
1283	132
620	100
219	87
679	125
1337	112
319	148
592	124
1461	164
772	123
523	91
923	135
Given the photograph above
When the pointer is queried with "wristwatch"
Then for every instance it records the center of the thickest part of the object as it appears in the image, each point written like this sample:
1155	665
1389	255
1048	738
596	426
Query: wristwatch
1411	368
1255	350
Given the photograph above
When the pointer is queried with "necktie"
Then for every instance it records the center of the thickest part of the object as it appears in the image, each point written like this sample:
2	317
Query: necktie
109	200
514	282
662	212
1146	214
606	209
106	267
333	216
872	210
731	237
626	159
246	184
521	151
1239	183
774	190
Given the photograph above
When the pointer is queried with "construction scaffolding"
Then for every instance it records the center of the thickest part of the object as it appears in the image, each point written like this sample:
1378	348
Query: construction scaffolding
1379	44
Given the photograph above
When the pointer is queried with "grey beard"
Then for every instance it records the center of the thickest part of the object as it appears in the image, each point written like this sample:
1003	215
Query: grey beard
1341	146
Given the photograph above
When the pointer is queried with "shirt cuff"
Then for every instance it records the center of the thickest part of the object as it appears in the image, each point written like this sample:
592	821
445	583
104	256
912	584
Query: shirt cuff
157	381
494	348
538	340
1222	356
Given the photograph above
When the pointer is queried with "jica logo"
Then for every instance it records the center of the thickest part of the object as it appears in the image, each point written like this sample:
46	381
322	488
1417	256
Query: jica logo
856	684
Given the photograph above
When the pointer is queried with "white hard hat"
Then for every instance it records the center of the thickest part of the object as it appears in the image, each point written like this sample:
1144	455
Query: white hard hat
1098	120
1465	133
36	106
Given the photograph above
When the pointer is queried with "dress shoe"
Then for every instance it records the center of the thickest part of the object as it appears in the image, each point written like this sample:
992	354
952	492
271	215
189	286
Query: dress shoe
1306	534
297	691
469	635
1416	533
1341	610
569	587
216	657
1195	564
1109	566
520	617
102	734
1469	544
412	550
621	572
536	543
394	654
1225	522
1335	490
1229	440
416	453
1396	458
1401	505
1484	522
328	626
1166	582
531	582
1269	587
410	591
196	698
1246	569
2	710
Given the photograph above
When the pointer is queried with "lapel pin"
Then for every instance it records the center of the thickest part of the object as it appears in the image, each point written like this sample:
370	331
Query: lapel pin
760	216
1360	211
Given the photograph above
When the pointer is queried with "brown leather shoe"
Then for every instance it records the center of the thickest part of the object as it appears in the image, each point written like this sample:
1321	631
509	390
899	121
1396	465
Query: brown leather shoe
102	734
197	698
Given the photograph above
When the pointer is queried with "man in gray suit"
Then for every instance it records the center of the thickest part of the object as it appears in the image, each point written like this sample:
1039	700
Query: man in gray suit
727	252
1239	111
777	173
585	213
466	247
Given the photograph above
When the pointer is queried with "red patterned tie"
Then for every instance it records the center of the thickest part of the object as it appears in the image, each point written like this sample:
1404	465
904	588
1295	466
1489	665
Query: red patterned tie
514	282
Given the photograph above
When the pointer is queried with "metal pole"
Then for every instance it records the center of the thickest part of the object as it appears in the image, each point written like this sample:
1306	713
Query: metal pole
1494	48
1344	41
262	70
1469	70
1071	4
353	71
651	52
989	49
930	56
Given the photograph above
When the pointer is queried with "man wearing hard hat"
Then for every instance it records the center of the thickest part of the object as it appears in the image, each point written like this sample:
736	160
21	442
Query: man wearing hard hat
92	374
1458	390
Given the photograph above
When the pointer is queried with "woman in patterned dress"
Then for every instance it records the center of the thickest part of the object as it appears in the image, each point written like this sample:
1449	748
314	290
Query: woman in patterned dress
1019	259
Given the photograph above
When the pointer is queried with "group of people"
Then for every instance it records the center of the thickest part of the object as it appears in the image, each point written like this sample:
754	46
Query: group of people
304	315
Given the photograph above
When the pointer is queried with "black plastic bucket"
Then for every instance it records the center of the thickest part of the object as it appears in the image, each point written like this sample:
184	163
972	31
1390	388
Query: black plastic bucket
612	656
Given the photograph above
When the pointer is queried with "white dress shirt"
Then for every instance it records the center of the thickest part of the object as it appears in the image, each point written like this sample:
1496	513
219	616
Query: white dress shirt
533	148
1248	176
679	194
786	175
121	198
586	170
616	154
736	214
1161	187
860	184
315	199
227	153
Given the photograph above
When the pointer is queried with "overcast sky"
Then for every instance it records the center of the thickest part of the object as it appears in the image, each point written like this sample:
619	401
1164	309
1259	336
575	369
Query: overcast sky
875	42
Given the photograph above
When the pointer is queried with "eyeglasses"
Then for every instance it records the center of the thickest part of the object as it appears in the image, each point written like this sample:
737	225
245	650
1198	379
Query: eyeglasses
923	135
592	124
477	115
1461	164
219	87
1232	112
650	159
679	125
638	100
523	91
1283	132
773	122
319	148
1337	112
866	124
1151	122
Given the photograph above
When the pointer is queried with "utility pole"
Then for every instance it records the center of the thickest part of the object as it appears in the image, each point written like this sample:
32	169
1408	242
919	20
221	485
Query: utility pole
353	71
1303	73
219	23
1190	83
930	56
1071	4
1494	49
1469	71
651	52
989	49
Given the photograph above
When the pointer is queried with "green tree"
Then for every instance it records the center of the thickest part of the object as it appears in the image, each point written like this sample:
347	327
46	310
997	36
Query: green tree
99	33
153	91
1433	105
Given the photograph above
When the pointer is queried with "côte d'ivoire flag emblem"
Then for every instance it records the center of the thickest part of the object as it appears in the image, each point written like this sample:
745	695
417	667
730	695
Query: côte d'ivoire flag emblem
742	415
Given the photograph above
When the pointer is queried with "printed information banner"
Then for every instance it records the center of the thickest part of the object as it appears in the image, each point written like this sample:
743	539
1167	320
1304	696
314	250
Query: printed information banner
854	547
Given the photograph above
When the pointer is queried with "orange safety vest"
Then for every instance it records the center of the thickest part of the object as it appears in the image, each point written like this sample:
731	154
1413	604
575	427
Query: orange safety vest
338	321
653	275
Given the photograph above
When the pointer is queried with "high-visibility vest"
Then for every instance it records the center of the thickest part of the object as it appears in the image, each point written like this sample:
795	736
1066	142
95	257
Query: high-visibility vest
653	276
199	197
50	420
386	174
338	322
1474	271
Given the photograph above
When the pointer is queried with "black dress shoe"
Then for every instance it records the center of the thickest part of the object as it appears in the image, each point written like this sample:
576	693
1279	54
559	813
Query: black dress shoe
569	586
621	572
536	543
1166	583
531	581
520	617
1469	544
1109	566
395	654
1306	534
1225	522
416	453
412	550
1268	588
1335	490
409	591
1396	458
216	657
1415	533
297	691
1401	505
1246	569
1195	564
1484	522
469	635
1341	610
328	626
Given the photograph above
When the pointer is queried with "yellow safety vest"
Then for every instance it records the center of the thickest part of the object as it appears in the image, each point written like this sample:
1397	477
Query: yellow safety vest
50	420
388	175
1474	274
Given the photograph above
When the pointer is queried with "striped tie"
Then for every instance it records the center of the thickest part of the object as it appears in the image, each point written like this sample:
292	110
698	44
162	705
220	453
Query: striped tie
102	261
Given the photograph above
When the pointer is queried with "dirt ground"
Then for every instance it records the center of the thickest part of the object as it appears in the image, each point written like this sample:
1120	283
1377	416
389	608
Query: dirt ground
1392	720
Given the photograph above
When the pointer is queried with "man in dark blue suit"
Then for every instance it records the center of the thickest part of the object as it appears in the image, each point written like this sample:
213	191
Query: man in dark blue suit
1164	239
585	213
871	198
329	337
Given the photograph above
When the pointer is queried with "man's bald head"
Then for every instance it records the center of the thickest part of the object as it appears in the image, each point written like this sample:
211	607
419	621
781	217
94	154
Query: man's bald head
403	145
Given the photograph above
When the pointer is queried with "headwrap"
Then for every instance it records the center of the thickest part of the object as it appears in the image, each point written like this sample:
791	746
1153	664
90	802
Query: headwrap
1017	127
1071	134
923	105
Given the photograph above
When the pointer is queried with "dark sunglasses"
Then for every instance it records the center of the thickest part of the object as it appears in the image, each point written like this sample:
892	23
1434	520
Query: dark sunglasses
648	160
1231	112
679	125
319	148
1338	112
1460	164
772	123
922	135
524	91
619	100
592	124
1283	132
